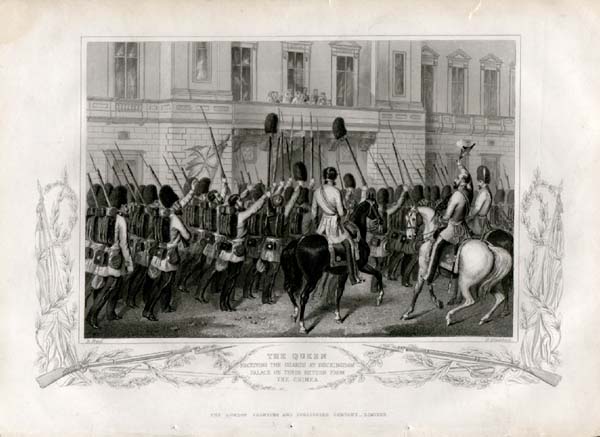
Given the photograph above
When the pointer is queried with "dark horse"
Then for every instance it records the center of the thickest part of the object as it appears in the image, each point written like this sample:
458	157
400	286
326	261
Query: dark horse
309	258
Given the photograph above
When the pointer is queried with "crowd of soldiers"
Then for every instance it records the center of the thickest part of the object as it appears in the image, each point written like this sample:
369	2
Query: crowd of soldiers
151	240
164	242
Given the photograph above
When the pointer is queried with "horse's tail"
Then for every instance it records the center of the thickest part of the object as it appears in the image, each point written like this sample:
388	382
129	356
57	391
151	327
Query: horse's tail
292	275
501	267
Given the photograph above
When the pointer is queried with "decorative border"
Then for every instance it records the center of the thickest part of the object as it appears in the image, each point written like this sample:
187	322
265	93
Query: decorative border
61	359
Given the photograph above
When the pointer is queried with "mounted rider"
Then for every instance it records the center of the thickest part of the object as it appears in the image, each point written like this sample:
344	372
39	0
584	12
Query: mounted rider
456	230
478	219
328	199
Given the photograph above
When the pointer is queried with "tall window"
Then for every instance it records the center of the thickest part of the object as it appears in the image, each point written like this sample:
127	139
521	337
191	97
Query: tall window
344	81
201	62
427	87
295	71
126	70
512	93
490	92
241	73
458	90
398	74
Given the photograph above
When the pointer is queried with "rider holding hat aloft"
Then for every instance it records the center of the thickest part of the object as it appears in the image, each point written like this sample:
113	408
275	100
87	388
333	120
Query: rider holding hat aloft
456	212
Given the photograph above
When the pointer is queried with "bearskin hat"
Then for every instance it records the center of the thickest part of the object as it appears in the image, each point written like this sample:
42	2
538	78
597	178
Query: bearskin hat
167	196
427	192
371	194
187	186
349	181
499	196
118	196
149	194
510	197
446	192
109	187
102	203
390	191
330	173
202	186
258	190
383	196
416	195
435	193
483	174
398	192
299	171
131	198
339	128
271	122
94	190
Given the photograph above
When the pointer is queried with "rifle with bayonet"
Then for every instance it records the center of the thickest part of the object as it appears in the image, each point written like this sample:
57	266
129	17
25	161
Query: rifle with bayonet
212	137
174	175
378	169
389	170
152	172
137	187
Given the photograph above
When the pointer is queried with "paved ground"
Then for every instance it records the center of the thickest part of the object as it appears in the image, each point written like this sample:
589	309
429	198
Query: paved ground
362	317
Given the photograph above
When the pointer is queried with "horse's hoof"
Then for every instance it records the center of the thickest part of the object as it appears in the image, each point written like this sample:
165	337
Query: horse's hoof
406	316
484	321
448	321
440	304
303	330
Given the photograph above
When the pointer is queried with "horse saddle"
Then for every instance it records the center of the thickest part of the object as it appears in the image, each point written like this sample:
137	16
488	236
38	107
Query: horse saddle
337	255
449	256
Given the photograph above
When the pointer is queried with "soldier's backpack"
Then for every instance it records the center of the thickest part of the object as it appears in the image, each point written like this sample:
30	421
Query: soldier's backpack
227	224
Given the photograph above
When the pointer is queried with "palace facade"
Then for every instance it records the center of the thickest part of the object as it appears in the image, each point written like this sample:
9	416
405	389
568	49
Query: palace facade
148	97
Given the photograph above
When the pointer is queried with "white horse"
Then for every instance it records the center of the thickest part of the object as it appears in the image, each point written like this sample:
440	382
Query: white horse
480	265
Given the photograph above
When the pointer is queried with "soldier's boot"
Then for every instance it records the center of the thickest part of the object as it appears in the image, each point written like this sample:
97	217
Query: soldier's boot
352	267
434	259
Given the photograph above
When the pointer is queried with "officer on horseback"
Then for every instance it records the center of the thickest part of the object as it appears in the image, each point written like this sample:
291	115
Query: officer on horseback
456	230
329	199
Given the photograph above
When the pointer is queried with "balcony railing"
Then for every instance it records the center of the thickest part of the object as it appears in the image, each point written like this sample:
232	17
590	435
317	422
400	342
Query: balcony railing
469	124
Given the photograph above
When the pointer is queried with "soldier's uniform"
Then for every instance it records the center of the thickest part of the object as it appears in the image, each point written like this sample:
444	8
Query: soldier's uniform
232	224
169	232
116	260
478	219
194	214
456	231
328	199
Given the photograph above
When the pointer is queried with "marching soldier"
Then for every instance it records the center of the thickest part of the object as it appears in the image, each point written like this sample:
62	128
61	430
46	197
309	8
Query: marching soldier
169	232
456	231
118	262
275	231
194	214
478	218
255	234
377	233
328	199
144	244
232	224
